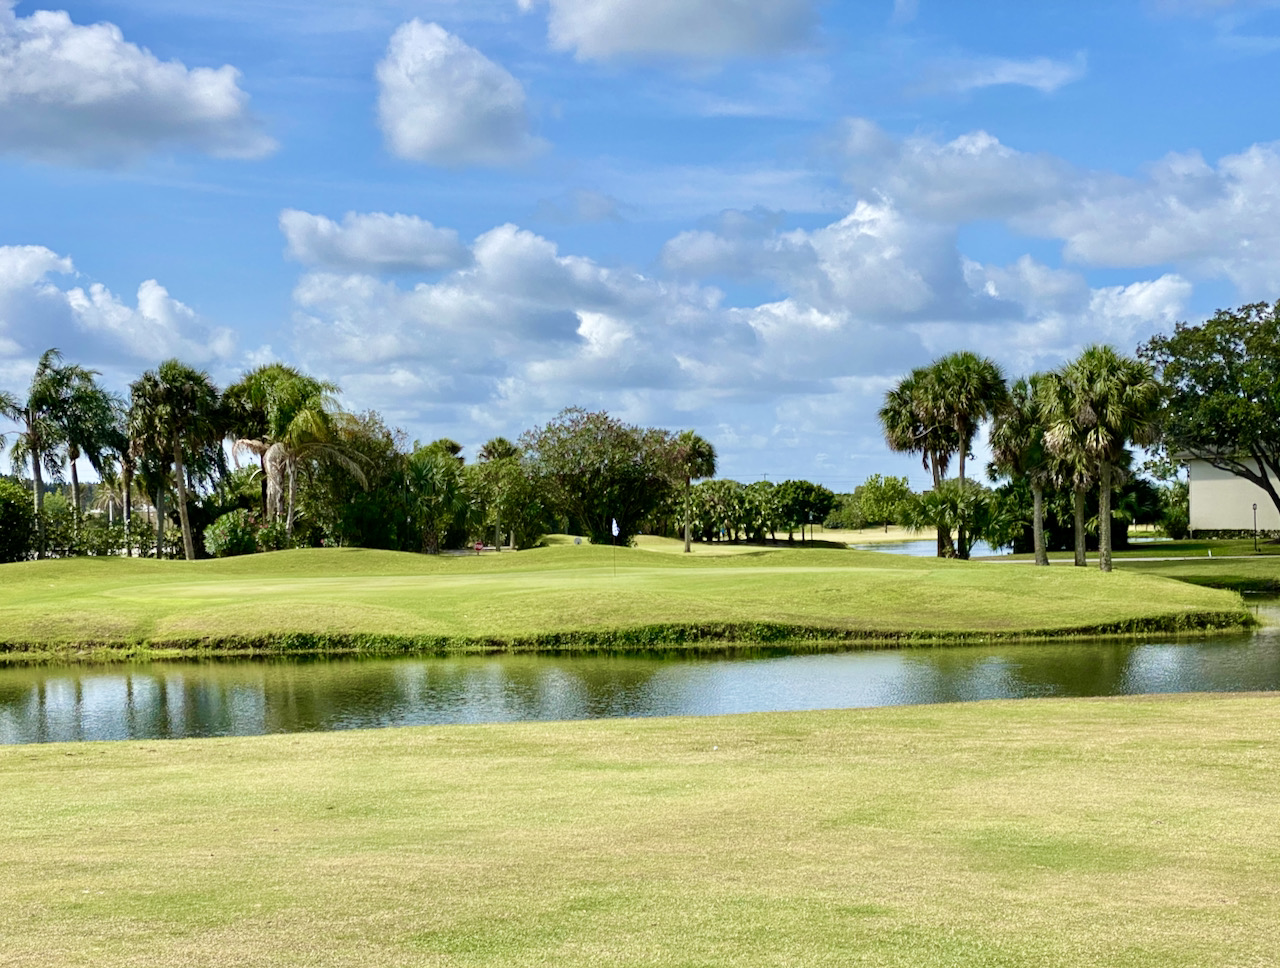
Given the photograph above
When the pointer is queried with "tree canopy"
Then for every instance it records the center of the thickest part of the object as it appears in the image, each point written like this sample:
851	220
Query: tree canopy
596	469
1222	392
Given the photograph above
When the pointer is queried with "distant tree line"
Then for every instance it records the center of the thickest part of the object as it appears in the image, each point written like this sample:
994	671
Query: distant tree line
273	462
312	474
1063	440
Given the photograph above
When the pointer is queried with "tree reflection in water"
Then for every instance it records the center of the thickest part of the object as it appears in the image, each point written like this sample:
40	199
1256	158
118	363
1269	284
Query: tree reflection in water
214	698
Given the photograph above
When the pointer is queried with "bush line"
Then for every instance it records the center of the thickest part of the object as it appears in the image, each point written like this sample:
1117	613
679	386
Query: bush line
731	637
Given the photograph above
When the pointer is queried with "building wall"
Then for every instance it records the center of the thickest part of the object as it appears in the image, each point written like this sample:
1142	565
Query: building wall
1220	501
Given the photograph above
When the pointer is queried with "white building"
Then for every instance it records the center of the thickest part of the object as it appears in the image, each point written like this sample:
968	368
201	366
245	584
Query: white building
1221	501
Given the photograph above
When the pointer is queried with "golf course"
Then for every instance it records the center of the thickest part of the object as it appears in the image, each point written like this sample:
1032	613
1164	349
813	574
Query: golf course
569	596
1059	833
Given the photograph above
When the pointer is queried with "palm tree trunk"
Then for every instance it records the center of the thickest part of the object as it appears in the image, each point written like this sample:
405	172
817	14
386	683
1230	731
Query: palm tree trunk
944	533
262	465
160	520
38	480
1037	523
688	524
960	528
1077	496
180	475
75	497
1104	516
127	476
293	493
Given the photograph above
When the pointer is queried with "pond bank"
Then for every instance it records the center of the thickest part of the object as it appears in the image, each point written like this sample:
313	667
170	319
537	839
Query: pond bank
691	638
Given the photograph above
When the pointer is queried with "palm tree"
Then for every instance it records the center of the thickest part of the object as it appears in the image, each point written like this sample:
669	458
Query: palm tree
248	405
1070	464
434	480
87	420
305	425
915	421
972	389
498	448
496	477
1018	450
175	409
1105	402
693	457
39	437
286	418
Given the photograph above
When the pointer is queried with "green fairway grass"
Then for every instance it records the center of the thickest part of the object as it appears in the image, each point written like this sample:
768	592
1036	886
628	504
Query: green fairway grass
572	596
1054	833
1260	574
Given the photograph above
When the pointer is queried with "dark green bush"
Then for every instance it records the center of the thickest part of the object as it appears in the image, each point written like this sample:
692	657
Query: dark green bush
274	537
17	522
233	533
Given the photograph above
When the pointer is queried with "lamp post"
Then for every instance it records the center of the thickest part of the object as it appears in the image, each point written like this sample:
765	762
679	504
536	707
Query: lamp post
1255	528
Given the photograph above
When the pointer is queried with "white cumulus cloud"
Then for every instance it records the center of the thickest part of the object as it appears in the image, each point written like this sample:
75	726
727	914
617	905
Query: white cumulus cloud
36	312
689	29
85	95
443	102
374	242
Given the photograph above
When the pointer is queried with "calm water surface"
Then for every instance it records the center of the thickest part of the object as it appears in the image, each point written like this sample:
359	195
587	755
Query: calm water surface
226	698
923	548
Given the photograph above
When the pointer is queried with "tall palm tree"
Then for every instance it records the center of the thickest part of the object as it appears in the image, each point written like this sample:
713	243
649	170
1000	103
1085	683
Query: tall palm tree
285	418
971	390
1070	464
39	438
1107	401
87	420
1018	450
497	476
915	421
305	425
249	404
694	458
175	409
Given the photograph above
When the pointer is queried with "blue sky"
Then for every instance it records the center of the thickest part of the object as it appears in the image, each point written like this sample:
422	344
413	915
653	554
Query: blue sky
749	217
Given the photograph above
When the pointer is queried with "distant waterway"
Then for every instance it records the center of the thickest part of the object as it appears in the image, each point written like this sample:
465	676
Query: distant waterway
238	698
922	548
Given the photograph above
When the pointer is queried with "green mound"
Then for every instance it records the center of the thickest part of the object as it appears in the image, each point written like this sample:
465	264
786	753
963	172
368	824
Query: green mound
570	596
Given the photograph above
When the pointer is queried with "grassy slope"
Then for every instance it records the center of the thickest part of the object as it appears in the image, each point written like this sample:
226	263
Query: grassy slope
1067	833
1253	574
565	589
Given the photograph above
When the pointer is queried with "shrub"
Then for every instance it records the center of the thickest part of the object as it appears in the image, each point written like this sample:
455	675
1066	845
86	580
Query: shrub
274	537
59	524
17	522
232	534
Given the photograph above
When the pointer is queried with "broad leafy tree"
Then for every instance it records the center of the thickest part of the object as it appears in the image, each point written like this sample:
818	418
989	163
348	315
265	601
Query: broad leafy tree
596	469
801	503
880	498
1222	392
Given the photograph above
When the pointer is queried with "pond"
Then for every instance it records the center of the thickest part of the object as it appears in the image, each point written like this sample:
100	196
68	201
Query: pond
923	548
237	698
